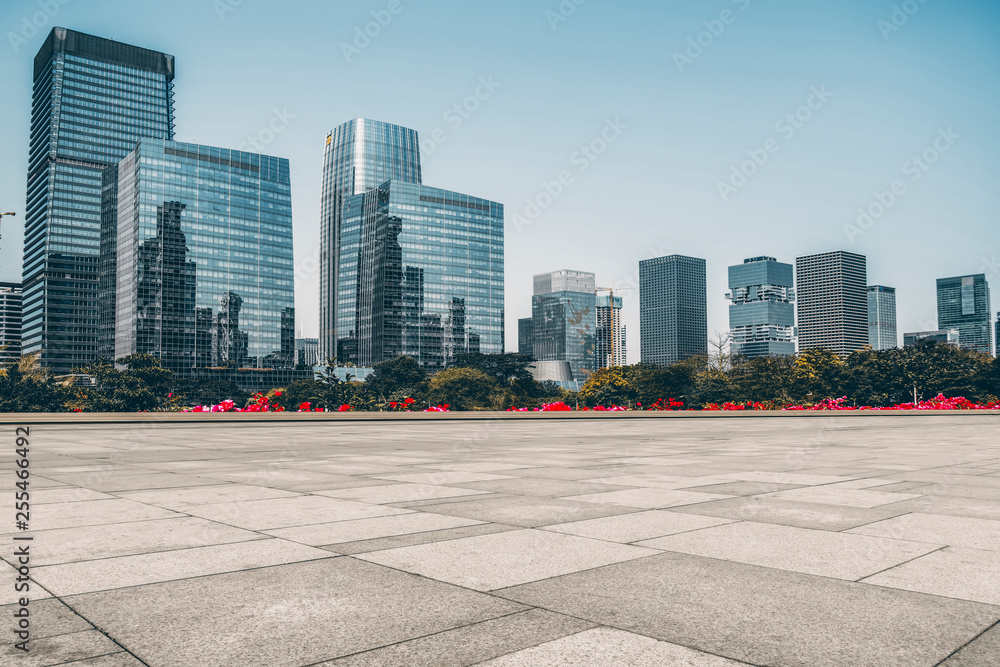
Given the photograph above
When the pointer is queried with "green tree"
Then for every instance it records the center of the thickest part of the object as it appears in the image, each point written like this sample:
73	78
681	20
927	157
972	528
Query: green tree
462	389
655	382
609	386
816	376
393	377
143	385
502	367
24	387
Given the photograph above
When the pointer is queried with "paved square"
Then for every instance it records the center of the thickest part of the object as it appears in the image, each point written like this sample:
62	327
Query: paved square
438	541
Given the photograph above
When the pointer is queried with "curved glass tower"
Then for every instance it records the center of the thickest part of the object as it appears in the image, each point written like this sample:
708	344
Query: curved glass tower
360	156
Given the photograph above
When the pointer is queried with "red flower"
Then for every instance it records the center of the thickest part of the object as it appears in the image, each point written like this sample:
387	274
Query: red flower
344	408
410	400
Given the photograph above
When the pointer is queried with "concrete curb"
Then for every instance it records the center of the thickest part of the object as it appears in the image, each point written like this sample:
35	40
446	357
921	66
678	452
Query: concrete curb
22	419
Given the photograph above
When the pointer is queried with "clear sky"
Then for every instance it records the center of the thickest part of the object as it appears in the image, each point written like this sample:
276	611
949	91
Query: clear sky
682	92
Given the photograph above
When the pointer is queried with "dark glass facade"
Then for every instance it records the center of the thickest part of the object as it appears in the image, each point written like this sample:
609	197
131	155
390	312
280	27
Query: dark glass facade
564	320
92	100
673	309
204	263
10	321
832	294
963	303
525	337
762	312
420	273
360	155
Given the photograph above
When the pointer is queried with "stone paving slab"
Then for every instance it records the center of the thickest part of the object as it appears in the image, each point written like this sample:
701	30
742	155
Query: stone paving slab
207	544
761	615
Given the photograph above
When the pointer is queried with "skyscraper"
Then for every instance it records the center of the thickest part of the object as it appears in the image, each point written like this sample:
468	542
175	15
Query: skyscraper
564	320
205	274
610	339
673	309
92	100
10	321
525	337
963	303
882	317
831	290
420	273
762	313
360	155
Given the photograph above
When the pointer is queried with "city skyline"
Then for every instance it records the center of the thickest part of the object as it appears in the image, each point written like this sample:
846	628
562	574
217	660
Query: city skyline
680	139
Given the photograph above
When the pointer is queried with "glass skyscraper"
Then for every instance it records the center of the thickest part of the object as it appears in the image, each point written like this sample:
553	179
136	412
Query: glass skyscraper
762	312
420	273
360	155
92	100
831	290
609	347
204	264
10	321
564	320
882	317
525	337
963	303
673	309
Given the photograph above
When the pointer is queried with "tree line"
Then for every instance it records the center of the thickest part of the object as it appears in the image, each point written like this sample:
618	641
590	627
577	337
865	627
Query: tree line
868	377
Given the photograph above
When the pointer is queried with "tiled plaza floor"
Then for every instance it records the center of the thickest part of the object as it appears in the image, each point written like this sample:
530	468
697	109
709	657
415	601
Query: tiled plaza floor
841	541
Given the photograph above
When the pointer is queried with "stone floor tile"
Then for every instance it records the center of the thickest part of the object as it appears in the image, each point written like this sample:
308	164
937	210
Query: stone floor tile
443	477
285	512
953	572
648	498
396	493
526	511
369	529
637	526
938	529
833	495
489	562
58	650
178	499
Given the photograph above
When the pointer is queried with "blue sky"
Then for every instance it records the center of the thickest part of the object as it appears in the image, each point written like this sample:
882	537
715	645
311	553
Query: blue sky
682	92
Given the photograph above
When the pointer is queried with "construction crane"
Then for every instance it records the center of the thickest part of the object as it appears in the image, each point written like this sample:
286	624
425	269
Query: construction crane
614	328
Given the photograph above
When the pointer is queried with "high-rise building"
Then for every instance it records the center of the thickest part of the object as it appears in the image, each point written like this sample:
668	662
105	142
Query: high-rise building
205	274
525	337
92	100
420	273
673	309
564	320
831	290
963	303
882	317
307	352
360	155
610	339
946	336
762	312
10	322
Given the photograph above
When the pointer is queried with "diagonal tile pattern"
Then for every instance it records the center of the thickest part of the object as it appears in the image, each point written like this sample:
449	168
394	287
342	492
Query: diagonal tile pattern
843	541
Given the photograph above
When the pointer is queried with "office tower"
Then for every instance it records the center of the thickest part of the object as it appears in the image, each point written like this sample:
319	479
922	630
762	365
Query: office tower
673	309
307	352
882	317
948	336
92	100
204	258
564	320
762	312
525	337
10	322
360	155
420	273
830	288
610	337
963	303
